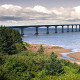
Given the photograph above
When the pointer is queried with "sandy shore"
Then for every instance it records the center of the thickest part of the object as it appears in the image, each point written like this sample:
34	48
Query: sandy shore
75	55
48	49
56	49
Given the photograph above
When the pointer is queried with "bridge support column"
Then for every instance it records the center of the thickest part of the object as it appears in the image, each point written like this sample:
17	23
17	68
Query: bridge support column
76	28
68	28
62	29
79	27
72	28
36	31
55	29
22	31
47	30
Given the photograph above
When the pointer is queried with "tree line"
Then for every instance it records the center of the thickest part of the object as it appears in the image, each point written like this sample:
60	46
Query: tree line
10	40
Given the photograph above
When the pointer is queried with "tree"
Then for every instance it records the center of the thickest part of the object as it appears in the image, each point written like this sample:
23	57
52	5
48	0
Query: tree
41	50
53	66
8	40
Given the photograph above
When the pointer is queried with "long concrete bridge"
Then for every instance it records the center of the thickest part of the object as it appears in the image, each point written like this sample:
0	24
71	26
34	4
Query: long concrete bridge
47	27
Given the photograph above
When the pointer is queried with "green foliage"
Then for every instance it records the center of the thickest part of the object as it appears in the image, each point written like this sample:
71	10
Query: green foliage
41	50
19	47
8	40
23	66
26	45
53	66
3	58
79	70
16	36
32	66
68	75
68	63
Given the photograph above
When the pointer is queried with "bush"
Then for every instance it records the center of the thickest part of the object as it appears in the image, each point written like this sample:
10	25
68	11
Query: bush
68	63
19	47
17	68
3	58
2	74
24	66
26	45
53	66
41	50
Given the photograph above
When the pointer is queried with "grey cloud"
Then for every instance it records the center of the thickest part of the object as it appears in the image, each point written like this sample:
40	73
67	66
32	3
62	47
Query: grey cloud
16	13
73	20
7	18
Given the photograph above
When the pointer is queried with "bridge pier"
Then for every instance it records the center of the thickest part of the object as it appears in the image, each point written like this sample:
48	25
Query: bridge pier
76	28
22	31
36	31
62	29
72	28
68	28
55	29
47	30
79	27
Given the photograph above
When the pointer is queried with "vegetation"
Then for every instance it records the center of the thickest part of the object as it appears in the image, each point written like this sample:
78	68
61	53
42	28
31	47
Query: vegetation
26	45
10	40
31	66
26	65
41	50
53	66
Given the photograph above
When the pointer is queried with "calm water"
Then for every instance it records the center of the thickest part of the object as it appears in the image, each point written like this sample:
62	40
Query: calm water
68	40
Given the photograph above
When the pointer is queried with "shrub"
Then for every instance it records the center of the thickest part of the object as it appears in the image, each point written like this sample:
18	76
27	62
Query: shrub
26	45
68	63
24	66
3	58
53	66
41	50
19	68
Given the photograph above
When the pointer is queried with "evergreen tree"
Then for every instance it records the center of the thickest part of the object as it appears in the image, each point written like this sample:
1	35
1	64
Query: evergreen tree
8	40
41	50
53	66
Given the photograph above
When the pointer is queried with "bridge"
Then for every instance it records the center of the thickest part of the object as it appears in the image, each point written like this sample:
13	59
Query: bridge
47	27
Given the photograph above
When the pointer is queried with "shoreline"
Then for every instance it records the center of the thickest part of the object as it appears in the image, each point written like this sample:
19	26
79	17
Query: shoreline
57	50
49	48
75	55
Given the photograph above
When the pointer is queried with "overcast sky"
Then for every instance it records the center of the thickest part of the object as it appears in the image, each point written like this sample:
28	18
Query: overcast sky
29	12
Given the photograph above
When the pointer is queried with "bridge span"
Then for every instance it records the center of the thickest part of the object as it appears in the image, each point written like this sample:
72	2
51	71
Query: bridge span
77	28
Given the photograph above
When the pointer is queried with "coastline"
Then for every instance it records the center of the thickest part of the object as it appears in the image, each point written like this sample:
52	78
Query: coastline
49	48
75	55
57	50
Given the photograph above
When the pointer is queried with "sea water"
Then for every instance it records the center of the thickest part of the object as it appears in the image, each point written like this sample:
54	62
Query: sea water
68	40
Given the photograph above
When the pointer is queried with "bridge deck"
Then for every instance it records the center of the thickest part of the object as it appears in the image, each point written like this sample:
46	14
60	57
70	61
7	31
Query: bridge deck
26	26
47	26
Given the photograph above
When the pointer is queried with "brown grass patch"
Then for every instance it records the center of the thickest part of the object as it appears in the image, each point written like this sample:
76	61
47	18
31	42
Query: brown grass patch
48	49
75	55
